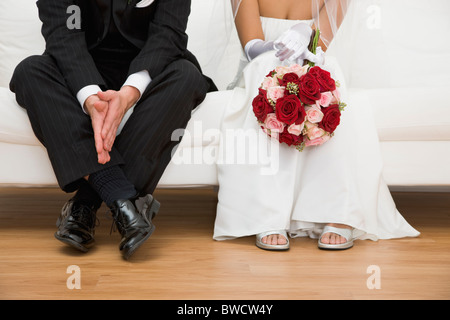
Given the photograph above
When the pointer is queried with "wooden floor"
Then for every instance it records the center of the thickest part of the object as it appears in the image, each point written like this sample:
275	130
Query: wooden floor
181	261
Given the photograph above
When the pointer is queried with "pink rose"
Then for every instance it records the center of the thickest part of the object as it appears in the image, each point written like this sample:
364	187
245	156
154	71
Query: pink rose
281	71
298	69
317	141
336	96
325	99
273	124
269	82
313	114
296	129
313	131
275	93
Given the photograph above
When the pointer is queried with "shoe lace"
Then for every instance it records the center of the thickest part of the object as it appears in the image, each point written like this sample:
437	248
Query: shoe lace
114	222
117	224
83	215
113	227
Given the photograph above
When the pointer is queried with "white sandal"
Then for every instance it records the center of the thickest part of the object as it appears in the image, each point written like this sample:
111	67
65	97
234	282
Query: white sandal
275	247
343	232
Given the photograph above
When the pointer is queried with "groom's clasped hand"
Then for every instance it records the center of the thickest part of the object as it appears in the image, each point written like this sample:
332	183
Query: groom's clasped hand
107	109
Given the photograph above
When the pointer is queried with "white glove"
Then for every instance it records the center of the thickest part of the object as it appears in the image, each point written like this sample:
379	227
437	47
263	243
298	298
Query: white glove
320	56
255	47
293	44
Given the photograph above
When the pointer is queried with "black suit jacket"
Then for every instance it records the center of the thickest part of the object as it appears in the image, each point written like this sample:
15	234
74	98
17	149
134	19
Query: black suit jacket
158	31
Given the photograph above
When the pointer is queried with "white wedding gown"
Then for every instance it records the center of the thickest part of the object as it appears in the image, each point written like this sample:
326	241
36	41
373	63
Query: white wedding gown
337	182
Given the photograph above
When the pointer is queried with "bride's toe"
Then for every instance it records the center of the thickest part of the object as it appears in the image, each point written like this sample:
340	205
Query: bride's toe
272	240
281	240
336	237
325	238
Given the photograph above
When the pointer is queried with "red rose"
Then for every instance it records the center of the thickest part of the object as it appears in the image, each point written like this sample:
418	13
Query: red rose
331	118
290	139
309	89
324	79
289	77
271	73
289	110
261	106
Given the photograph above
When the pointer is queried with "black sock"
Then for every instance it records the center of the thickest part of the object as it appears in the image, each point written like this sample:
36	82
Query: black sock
87	195
111	184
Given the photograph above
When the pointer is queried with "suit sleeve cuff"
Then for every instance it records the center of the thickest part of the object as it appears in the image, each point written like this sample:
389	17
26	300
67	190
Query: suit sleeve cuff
85	93
140	80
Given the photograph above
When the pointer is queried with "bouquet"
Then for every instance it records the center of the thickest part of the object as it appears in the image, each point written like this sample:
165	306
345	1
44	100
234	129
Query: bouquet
299	105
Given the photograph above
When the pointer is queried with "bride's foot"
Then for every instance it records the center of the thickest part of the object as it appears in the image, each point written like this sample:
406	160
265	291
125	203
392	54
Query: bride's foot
333	238
273	240
336	236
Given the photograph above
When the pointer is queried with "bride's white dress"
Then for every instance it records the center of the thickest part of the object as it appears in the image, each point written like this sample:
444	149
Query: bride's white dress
337	182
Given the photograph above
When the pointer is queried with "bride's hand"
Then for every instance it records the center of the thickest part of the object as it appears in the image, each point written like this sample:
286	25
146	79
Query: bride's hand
293	44
320	57
255	47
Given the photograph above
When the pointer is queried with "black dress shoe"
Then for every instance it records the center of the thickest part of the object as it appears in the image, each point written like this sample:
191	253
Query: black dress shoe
76	225
149	206
134	225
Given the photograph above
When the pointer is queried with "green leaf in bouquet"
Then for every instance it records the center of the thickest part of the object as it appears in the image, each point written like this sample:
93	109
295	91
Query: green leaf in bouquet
313	45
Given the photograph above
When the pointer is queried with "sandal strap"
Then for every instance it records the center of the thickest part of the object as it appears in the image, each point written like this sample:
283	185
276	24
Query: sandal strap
343	232
268	233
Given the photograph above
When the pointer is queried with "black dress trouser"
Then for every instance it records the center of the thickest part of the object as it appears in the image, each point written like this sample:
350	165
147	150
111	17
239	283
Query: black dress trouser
144	147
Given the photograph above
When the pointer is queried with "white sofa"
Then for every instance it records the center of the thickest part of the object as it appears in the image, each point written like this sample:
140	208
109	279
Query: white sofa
405	47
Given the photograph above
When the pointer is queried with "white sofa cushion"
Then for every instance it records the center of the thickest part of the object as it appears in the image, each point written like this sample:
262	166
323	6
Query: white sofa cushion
411	114
14	124
20	35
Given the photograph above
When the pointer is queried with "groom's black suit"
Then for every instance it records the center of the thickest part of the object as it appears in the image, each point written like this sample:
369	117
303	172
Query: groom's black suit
115	40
